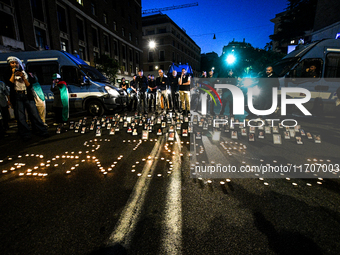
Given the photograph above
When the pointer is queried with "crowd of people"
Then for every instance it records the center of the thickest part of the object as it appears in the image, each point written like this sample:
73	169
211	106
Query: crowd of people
22	92
145	94
163	94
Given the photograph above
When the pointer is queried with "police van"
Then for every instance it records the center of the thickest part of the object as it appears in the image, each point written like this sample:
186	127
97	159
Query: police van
315	67
88	88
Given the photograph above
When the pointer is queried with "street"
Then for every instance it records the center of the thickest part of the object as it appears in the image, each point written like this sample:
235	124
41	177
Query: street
81	193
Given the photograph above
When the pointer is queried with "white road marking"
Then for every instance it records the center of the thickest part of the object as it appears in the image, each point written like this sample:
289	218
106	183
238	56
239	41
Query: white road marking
172	227
126	225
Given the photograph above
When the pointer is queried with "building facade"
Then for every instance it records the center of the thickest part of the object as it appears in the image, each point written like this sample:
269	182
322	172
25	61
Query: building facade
171	45
327	20
88	28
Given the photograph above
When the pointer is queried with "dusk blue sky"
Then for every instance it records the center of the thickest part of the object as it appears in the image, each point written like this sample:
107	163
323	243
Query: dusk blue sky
249	19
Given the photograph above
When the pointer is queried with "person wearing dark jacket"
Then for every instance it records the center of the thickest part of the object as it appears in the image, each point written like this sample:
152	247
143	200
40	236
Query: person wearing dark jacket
152	92
212	81
267	83
60	103
173	82
133	100
22	99
124	85
142	85
227	97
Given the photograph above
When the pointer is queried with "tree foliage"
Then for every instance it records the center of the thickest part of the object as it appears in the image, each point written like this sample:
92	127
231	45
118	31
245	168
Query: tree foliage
251	61
108	66
298	19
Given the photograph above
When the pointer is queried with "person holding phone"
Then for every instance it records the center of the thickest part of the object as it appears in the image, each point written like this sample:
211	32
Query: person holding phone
23	98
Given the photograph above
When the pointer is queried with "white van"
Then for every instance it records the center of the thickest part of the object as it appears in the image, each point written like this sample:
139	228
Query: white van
88	88
324	55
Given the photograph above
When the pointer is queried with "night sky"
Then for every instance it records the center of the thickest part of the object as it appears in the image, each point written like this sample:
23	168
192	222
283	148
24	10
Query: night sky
249	19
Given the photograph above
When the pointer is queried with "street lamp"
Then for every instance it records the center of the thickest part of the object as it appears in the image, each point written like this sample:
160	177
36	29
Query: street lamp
231	59
152	44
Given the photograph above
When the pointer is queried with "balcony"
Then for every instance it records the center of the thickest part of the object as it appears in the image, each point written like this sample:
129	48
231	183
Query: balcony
11	43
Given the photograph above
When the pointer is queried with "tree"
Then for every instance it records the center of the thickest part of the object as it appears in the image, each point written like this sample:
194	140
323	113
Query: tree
298	19
108	66
266	58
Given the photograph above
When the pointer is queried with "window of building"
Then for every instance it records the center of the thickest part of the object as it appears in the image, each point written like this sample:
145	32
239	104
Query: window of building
162	30
61	16
95	37
106	43
82	52
130	55
7	27
137	42
37	9
136	24
40	37
80	29
105	18
93	8
130	37
150	32
63	44
95	56
161	55
123	52
332	69
137	58
115	47
123	31
81	2
150	56
130	20
114	26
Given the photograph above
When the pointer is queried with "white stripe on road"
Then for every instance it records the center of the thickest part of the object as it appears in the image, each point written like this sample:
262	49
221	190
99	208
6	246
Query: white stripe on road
128	220
172	232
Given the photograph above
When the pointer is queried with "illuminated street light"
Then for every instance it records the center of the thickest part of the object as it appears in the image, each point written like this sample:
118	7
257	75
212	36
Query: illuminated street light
152	44
230	59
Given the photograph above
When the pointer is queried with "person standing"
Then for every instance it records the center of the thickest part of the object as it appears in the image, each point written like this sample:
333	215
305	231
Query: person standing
4	103
60	103
184	91
24	101
133	100
173	82
212	81
39	97
268	82
142	85
162	86
124	85
227	97
152	90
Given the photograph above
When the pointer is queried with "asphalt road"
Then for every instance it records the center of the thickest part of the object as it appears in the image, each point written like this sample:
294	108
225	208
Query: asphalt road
75	193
